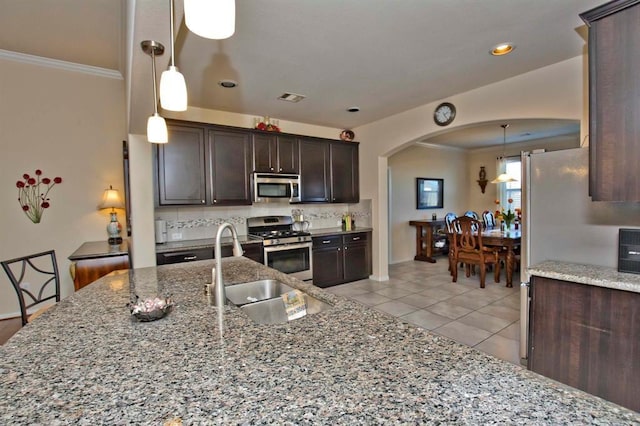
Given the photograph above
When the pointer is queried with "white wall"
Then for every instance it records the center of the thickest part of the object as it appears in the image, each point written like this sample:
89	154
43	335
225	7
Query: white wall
69	124
555	91
404	167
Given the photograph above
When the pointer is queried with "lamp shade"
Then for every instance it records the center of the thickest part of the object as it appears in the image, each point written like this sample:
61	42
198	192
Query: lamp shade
173	90
157	129
211	19
111	199
503	178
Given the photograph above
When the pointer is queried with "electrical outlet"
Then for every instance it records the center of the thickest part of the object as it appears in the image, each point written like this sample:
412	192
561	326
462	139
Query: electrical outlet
176	236
338	223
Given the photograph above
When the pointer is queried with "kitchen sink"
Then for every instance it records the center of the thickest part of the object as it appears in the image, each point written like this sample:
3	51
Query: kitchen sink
272	311
255	291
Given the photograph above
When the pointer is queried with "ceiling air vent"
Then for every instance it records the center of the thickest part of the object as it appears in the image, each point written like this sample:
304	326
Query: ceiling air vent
291	97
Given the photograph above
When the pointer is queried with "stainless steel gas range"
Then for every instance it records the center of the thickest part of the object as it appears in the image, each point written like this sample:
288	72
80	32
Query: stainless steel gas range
285	250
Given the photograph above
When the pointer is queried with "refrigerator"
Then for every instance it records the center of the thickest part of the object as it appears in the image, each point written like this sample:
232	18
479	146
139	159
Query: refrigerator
560	222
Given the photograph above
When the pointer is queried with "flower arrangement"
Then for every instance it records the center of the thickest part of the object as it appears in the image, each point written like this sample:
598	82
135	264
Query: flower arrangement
31	197
509	215
267	124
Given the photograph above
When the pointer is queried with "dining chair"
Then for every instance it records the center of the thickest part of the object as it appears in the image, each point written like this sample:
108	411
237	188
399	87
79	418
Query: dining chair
467	247
470	213
35	279
489	219
448	220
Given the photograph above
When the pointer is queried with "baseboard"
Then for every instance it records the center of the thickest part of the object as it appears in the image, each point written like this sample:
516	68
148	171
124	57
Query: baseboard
10	315
379	278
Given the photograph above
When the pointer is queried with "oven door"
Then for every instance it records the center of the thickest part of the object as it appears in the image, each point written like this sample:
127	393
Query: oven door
293	259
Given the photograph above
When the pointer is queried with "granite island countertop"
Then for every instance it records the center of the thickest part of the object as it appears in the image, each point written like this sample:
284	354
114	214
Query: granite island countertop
600	276
85	361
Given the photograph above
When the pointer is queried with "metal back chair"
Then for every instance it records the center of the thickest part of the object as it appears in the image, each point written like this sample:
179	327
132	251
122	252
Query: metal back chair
448	220
35	279
489	219
467	247
472	214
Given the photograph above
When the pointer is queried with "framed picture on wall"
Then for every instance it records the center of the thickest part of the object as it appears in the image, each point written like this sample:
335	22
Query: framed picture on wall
429	193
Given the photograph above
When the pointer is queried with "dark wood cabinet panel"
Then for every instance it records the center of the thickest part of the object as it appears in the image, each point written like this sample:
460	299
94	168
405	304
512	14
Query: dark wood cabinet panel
254	252
327	261
314	171
274	153
344	173
587	337
329	171
230	167
339	259
180	167
614	100
89	270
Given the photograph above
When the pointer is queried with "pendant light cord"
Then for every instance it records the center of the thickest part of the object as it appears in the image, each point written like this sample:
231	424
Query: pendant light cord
153	76
172	40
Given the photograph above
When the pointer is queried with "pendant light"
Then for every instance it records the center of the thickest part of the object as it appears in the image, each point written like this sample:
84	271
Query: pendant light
504	177
156	126
214	19
173	89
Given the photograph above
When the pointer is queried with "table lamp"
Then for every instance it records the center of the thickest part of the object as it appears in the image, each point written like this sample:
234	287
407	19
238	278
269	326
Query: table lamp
111	200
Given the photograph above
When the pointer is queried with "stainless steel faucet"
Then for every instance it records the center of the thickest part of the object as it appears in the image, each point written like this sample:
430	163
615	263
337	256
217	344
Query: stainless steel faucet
220	294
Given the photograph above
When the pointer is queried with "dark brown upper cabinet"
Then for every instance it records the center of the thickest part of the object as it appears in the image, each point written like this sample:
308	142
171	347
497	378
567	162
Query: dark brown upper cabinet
180	167
230	167
274	153
203	165
614	100
329	171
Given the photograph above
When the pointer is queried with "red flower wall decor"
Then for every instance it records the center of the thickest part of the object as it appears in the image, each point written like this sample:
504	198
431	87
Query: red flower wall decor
32	198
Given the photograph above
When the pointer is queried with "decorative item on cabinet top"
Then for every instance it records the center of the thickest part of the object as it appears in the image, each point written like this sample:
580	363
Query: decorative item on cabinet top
347	135
267	124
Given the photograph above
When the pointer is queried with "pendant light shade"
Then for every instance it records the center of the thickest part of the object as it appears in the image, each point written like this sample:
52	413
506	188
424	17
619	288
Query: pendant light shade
214	19
156	126
173	88
504	177
157	129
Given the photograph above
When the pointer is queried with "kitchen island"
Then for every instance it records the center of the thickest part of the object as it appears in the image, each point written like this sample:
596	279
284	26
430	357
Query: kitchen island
86	361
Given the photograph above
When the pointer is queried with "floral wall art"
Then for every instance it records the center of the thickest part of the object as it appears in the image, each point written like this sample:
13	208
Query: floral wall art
33	194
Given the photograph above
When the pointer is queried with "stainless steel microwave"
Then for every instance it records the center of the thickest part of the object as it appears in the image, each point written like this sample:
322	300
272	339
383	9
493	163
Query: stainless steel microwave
283	188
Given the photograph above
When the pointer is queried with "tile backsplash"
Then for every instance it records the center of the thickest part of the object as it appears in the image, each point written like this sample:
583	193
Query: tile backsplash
193	223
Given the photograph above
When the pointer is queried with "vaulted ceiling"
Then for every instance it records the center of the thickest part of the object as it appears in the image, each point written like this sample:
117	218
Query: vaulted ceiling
383	56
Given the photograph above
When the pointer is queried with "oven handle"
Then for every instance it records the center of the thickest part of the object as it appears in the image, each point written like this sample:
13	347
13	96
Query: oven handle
291	186
287	247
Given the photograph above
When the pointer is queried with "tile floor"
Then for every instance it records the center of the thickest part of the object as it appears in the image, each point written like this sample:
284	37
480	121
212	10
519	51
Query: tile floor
423	294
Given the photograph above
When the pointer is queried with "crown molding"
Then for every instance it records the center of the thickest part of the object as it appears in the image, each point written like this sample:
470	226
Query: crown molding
58	64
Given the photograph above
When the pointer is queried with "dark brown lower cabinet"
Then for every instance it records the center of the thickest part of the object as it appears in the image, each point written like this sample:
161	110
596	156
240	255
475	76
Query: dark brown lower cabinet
587	337
341	258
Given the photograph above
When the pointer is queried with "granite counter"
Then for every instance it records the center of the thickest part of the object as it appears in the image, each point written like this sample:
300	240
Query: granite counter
85	361
600	276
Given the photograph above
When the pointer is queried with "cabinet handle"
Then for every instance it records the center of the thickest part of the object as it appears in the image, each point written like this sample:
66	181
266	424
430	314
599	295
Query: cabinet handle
345	247
215	201
271	168
202	201
280	169
190	257
338	248
326	241
355	238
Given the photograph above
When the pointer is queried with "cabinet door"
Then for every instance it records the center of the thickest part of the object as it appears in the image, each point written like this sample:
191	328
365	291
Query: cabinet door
614	101
180	167
327	266
254	252
345	182
264	153
230	159
314	171
357	257
287	147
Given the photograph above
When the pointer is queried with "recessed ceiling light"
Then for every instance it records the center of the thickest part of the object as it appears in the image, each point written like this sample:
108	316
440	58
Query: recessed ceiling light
353	109
502	49
227	84
291	97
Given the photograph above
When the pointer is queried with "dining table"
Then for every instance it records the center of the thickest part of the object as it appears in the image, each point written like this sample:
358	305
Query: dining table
507	239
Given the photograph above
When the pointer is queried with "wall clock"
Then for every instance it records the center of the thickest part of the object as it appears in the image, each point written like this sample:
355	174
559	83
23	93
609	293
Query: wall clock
444	114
